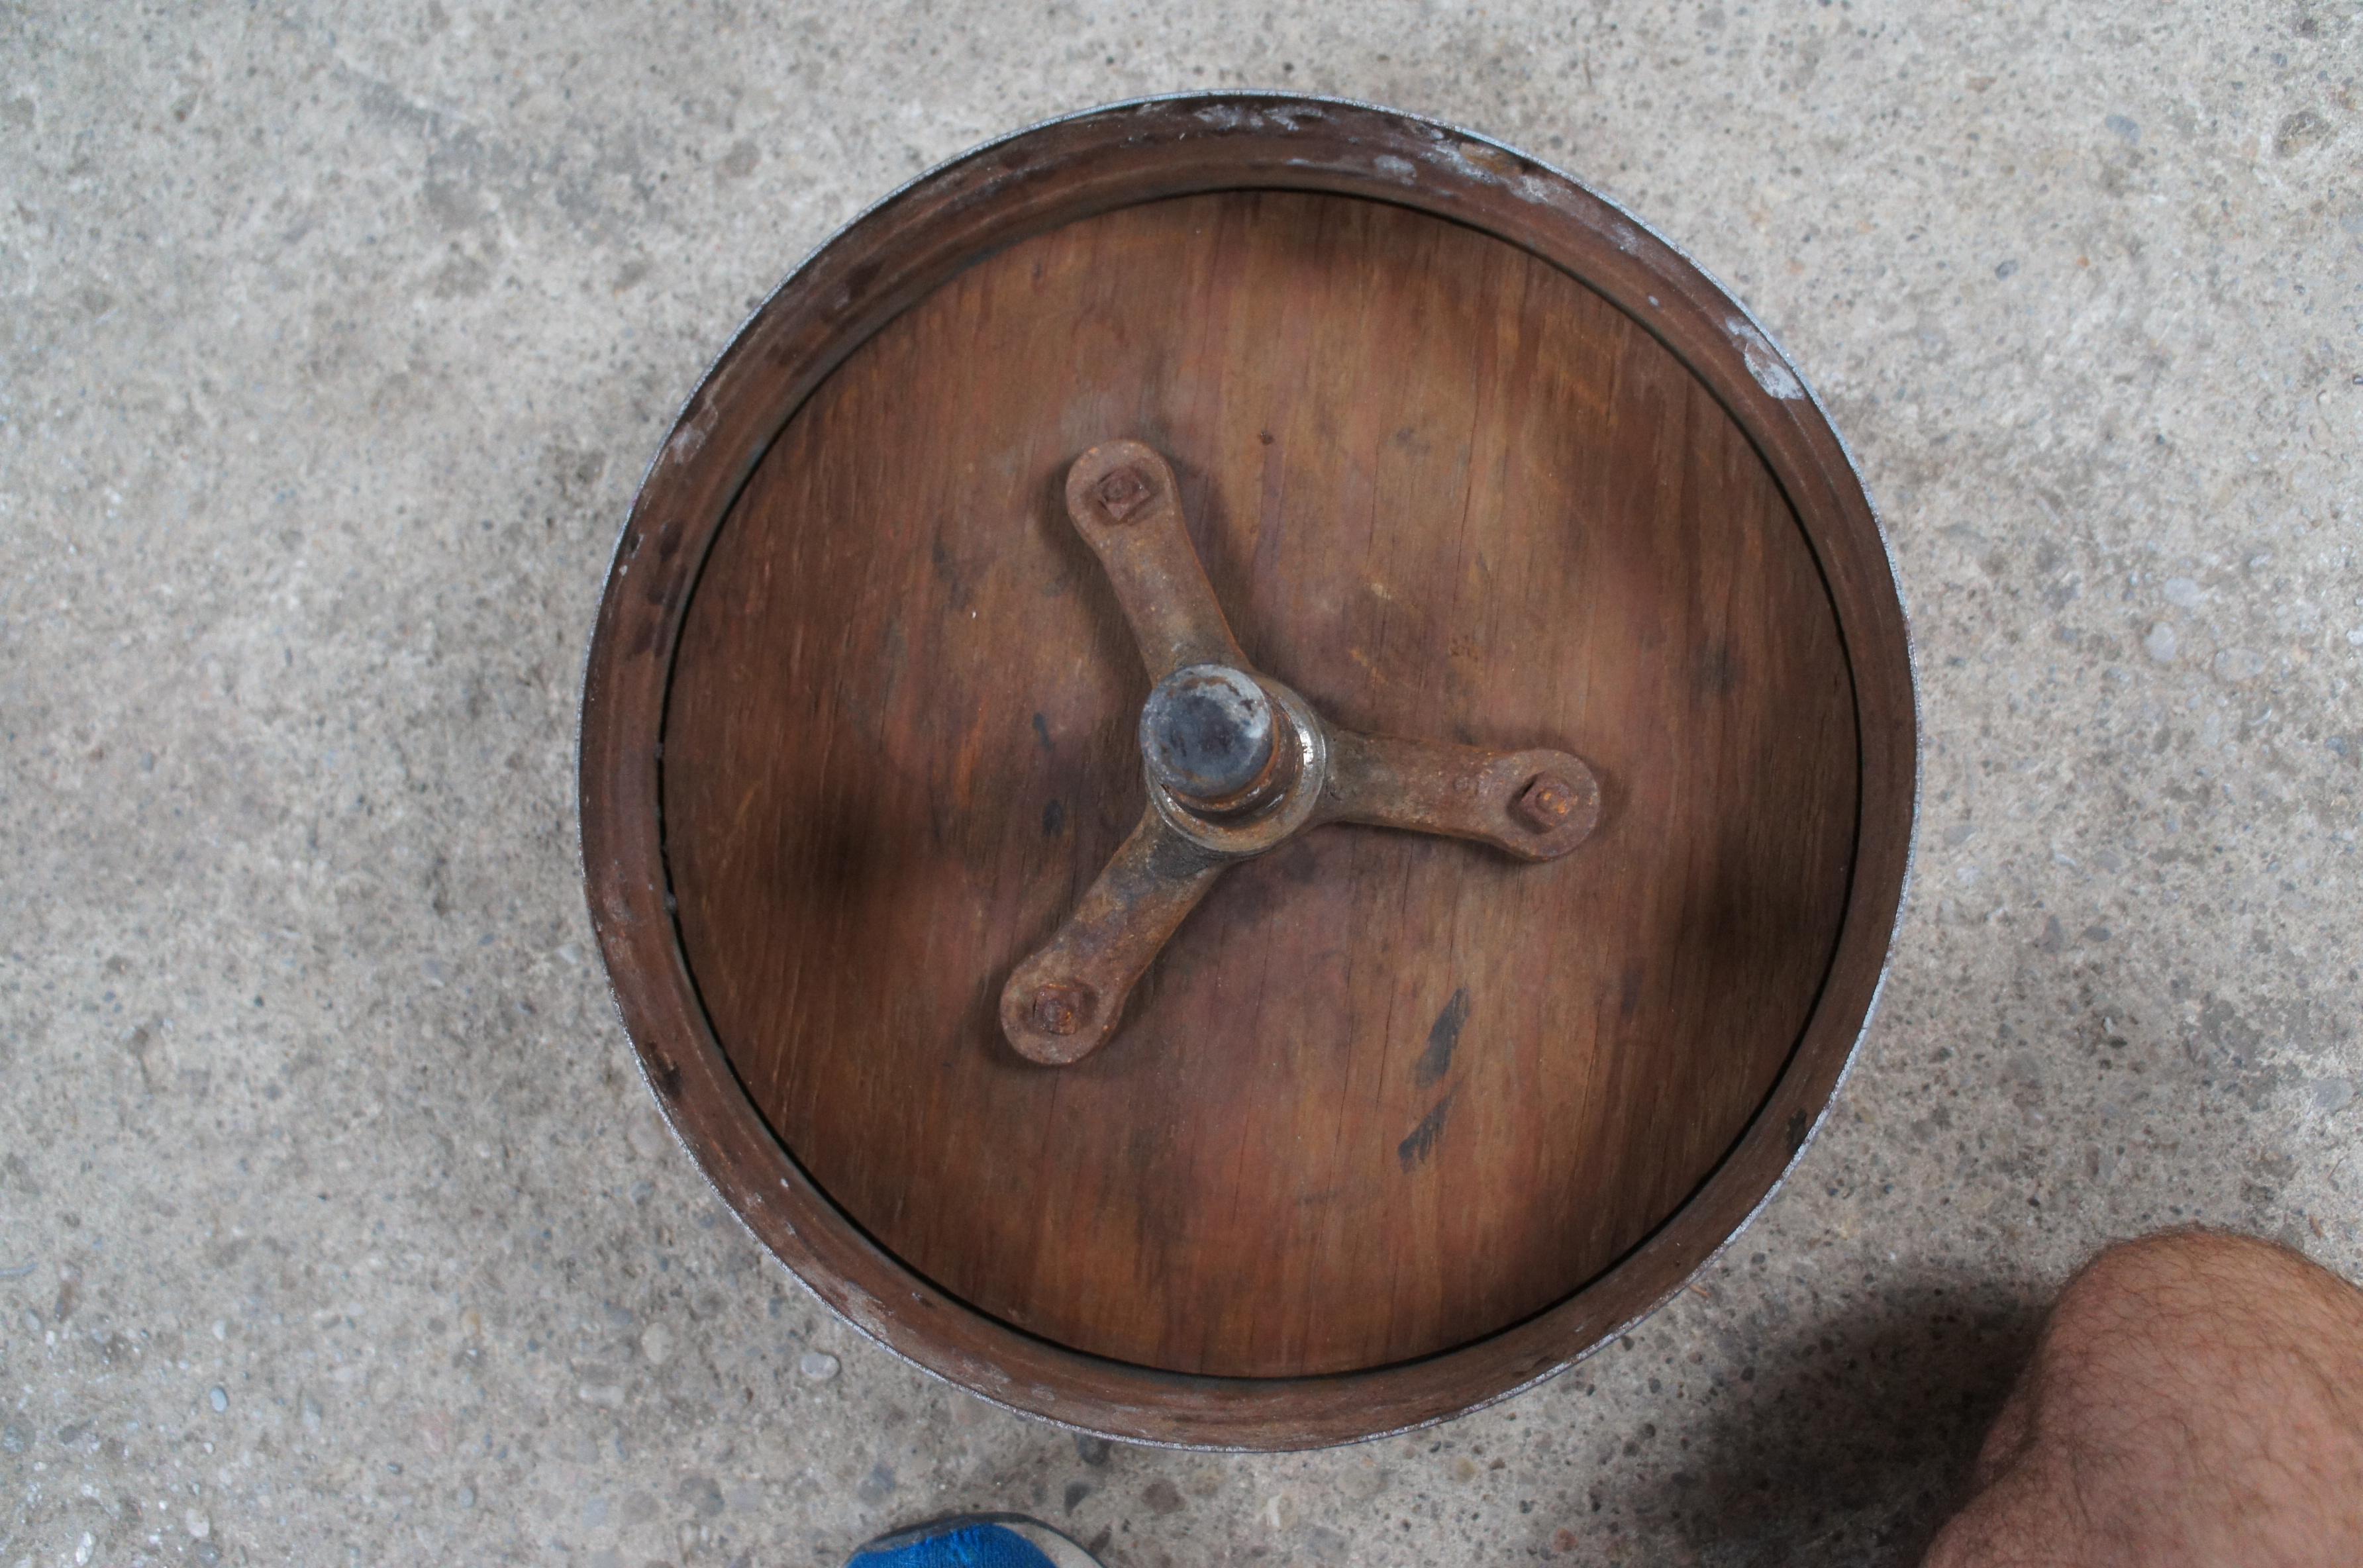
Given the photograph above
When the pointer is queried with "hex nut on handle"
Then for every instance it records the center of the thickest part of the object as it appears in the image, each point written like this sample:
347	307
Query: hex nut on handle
1547	803
1061	1007
1123	491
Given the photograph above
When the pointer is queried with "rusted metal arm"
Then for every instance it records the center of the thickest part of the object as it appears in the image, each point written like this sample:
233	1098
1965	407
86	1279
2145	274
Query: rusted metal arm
1123	501
1535	804
1062	1003
1236	764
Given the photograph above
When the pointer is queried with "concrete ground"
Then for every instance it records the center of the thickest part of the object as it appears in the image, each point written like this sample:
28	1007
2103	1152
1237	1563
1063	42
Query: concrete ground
335	1222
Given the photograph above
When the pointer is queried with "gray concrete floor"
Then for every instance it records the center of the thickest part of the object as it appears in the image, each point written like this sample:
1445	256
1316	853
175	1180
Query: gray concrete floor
335	1222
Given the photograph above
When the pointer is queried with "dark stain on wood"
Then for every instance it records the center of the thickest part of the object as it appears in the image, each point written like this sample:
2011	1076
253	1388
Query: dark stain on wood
1414	1151
1717	672
1443	1039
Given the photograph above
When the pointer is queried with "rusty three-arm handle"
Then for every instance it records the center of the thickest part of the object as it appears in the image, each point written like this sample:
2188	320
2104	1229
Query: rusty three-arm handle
1238	764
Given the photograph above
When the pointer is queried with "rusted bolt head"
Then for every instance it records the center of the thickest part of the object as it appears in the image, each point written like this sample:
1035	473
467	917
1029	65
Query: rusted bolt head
1061	1006
1547	803
1123	491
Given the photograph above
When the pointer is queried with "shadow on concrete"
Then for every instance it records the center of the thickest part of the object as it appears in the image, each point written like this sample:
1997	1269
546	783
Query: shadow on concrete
1852	1444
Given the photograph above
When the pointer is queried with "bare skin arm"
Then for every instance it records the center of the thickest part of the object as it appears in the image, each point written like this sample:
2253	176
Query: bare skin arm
2197	1398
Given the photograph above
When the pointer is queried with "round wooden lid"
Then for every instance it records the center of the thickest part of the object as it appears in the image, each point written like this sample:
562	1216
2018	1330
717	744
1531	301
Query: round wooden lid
1393	1122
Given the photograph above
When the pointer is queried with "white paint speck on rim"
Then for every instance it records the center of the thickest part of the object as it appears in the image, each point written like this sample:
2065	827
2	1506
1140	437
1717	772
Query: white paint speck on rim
1764	362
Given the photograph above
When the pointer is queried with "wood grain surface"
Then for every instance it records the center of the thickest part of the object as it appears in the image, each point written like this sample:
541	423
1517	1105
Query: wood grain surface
1383	1095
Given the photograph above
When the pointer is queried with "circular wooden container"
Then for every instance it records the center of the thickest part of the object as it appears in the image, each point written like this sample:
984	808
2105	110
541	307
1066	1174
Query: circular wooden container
1396	1125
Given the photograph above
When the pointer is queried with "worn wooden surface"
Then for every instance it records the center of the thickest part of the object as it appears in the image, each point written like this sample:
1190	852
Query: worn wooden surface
1383	1095
893	256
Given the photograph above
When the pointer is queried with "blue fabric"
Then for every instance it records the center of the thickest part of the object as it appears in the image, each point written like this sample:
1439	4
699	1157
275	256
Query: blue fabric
968	1546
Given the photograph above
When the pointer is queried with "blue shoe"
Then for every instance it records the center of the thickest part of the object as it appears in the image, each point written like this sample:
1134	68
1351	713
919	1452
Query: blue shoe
974	1541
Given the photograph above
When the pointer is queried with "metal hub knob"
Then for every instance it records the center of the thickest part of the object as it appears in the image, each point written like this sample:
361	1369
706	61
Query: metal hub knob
1208	737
